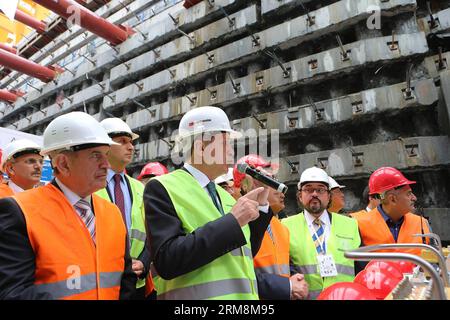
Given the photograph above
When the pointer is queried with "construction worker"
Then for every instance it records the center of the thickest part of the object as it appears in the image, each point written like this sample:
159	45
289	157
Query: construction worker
150	170
202	240
272	261
392	221
127	194
226	182
372	202
337	202
22	163
319	238
61	241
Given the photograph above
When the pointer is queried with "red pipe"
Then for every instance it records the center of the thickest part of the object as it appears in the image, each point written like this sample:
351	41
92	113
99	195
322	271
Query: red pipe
25	66
8	48
8	96
28	20
88	20
190	3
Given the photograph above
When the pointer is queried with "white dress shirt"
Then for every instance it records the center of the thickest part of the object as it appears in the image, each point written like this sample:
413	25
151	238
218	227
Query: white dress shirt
71	196
203	180
14	187
324	219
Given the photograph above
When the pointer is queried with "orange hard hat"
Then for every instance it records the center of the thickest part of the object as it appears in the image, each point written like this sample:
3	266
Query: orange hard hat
152	169
390	267
346	291
253	161
379	282
387	178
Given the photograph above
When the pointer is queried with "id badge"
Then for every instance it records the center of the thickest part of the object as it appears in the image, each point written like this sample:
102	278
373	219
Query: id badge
327	266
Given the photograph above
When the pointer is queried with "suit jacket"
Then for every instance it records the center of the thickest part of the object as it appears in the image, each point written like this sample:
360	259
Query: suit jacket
174	252
17	258
273	286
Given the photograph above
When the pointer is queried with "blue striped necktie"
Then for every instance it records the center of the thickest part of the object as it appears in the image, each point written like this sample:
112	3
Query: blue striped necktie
318	237
84	209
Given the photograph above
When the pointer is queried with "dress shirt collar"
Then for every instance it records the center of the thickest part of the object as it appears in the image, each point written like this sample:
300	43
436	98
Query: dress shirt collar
14	187
71	196
111	173
324	218
202	178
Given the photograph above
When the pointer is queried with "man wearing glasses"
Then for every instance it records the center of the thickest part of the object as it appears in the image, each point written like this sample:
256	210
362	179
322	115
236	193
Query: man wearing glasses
319	238
22	163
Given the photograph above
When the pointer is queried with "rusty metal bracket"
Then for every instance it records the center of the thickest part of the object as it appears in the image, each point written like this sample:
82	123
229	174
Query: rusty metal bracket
408	93
357	107
344	53
231	21
261	123
40	90
193	100
273	56
311	19
318	112
322	163
393	45
236	86
293	167
434	22
412	150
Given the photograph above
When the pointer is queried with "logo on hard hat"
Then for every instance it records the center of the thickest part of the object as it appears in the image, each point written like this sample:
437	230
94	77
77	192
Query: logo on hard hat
198	122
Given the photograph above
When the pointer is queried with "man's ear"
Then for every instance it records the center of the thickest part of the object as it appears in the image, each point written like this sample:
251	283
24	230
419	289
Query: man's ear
61	161
9	169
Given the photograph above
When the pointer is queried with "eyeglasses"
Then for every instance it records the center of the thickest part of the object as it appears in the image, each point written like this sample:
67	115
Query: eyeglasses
318	190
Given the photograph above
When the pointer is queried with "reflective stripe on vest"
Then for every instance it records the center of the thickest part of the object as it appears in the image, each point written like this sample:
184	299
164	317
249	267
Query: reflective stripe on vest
82	284
137	234
374	230
235	273
210	289
64	249
238	252
274	269
343	236
312	269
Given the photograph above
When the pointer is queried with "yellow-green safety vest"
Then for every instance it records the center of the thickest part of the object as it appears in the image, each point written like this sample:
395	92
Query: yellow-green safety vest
230	276
344	236
137	233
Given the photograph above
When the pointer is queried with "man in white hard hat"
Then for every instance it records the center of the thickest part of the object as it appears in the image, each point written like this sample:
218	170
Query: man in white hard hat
61	241
22	163
337	201
127	194
202	240
319	238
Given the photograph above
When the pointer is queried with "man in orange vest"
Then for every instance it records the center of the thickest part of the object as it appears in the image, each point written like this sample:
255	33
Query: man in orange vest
272	260
392	221
61	241
22	163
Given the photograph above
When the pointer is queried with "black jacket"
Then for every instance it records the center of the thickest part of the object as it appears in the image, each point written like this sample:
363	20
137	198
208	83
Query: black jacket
174	252
17	258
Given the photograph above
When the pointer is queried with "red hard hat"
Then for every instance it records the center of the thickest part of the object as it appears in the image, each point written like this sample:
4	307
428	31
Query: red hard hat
253	161
346	291
387	178
404	266
152	169
379	282
390	267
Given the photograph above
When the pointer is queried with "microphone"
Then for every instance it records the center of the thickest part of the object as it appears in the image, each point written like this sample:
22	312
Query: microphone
261	177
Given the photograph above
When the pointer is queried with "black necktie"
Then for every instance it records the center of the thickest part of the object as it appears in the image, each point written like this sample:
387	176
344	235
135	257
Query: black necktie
214	196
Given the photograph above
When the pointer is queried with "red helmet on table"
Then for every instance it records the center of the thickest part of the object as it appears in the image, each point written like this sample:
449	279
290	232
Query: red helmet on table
346	291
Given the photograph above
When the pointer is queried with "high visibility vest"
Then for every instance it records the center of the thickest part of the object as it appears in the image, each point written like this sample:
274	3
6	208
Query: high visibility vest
5	191
68	263
230	276
344	236
273	255
374	230
137	233
355	215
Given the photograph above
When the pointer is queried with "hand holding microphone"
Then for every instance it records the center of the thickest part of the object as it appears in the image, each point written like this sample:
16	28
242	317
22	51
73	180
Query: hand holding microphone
261	177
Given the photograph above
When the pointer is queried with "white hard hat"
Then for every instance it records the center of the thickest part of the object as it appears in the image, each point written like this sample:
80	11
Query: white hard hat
225	177
116	126
205	119
313	174
74	129
334	184
18	147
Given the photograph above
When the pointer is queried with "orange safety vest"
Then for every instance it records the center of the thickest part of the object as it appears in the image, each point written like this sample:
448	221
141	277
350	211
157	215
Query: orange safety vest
273	255
355	215
68	263
5	191
374	230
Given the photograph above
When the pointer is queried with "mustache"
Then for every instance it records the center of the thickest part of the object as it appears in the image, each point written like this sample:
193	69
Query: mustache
37	171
